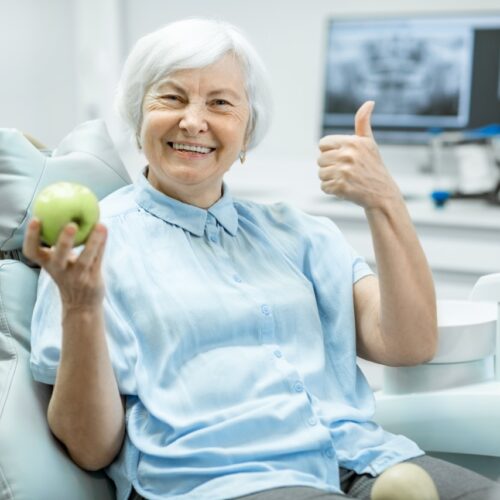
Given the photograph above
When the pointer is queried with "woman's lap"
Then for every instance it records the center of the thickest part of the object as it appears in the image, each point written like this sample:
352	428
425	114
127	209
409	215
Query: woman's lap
452	482
292	493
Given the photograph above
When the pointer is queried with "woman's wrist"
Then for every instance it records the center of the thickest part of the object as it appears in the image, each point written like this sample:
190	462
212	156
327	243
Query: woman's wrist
387	205
81	312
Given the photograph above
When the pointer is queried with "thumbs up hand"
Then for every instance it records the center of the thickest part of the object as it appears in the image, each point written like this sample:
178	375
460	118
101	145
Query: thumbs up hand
350	166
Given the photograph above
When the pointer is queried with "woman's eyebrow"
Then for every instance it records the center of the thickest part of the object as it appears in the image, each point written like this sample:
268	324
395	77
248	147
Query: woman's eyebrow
171	84
162	87
225	91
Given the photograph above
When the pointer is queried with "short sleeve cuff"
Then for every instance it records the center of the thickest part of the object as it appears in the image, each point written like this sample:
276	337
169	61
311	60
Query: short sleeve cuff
43	374
360	270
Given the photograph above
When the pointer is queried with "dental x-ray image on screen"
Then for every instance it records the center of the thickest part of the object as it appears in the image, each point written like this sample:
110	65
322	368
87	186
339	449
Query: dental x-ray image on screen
415	77
422	72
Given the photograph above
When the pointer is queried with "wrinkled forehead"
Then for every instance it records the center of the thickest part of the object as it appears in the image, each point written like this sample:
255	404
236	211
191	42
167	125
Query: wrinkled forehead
227	73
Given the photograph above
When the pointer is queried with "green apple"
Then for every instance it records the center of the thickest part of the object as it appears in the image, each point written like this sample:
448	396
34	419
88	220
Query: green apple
61	203
404	481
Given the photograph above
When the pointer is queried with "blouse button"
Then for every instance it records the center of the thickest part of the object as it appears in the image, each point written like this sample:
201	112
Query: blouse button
312	421
298	387
266	309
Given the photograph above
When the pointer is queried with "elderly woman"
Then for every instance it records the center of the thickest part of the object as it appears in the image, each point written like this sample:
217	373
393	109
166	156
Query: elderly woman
202	346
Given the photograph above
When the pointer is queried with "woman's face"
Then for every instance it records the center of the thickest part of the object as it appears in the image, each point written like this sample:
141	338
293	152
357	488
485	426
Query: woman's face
194	127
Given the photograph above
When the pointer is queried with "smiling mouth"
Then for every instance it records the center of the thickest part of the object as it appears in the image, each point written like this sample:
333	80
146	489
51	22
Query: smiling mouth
190	148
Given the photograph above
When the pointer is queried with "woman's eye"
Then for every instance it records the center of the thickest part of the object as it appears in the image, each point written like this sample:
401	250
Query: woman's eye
221	102
171	98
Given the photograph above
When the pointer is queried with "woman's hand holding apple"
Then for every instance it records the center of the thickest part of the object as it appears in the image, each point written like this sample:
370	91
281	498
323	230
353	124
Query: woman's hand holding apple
85	411
78	277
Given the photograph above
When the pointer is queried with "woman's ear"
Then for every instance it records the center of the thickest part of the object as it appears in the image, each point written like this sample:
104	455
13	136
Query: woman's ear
138	136
248	132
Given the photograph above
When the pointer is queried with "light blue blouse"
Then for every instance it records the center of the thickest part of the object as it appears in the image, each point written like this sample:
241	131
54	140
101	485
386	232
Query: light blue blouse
231	331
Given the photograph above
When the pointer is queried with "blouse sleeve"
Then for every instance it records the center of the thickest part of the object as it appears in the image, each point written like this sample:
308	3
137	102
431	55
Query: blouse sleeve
315	244
46	337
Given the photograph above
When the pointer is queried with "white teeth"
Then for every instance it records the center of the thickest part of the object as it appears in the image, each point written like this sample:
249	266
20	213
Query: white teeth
189	147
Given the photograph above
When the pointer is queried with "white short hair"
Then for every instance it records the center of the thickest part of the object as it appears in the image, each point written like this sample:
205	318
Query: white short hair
190	44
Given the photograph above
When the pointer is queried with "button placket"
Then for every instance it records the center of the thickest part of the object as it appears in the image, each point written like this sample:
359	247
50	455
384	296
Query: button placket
211	228
267	325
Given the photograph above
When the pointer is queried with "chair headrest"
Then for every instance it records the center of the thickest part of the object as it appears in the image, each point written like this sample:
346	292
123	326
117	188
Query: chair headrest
86	156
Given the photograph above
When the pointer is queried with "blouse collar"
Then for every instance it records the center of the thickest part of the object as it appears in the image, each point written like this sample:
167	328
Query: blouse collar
181	214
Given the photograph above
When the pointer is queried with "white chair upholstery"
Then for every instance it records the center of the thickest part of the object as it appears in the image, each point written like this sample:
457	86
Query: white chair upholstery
33	464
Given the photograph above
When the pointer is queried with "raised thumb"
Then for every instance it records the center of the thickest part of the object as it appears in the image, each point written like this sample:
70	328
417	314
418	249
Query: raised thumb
362	125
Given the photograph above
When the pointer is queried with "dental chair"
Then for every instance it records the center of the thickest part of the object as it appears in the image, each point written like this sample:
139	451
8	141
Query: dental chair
33	464
450	406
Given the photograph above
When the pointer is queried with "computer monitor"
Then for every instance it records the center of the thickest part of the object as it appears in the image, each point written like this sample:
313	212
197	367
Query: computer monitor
425	73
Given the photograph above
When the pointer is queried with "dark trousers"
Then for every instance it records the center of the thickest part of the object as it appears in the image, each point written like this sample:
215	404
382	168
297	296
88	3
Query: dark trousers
452	482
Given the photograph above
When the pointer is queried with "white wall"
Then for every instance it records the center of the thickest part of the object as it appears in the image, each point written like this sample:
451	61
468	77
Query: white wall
44	76
37	67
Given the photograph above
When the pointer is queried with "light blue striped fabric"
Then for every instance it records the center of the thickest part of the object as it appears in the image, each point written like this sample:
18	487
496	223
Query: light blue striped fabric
232	332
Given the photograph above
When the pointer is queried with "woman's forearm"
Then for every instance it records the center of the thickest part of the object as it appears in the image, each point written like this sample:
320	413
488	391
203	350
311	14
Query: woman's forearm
397	324
86	411
407	296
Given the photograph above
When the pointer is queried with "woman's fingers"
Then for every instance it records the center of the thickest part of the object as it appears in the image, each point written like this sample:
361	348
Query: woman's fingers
31	244
64	246
328	158
94	248
332	142
78	276
58	257
338	187
100	254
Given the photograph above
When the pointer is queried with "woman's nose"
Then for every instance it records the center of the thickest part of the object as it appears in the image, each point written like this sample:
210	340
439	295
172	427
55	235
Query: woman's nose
193	120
